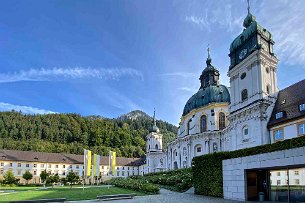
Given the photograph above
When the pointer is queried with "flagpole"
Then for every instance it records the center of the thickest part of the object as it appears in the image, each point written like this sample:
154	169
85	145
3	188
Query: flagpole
84	170
109	167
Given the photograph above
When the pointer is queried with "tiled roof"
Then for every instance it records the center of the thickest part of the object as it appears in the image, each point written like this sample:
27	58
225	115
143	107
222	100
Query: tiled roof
43	157
288	102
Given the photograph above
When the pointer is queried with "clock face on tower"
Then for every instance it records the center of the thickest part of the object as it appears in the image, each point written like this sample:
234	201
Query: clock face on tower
243	53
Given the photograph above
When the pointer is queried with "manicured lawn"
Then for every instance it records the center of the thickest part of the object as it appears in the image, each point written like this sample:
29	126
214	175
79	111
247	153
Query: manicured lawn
63	192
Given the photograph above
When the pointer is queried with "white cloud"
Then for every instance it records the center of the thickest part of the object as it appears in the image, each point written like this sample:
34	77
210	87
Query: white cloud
61	74
180	74
285	20
215	15
187	89
23	109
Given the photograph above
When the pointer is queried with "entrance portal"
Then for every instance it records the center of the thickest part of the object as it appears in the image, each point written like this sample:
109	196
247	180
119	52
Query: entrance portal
257	184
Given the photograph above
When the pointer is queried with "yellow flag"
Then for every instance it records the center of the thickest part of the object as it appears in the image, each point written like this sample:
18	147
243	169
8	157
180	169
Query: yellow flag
95	156
88	163
113	163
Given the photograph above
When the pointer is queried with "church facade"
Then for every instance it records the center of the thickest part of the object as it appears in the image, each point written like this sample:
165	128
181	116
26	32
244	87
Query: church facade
252	112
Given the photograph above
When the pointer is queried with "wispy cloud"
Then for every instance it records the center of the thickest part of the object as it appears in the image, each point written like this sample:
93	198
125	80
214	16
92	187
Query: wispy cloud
215	15
23	109
60	74
180	74
285	20
188	89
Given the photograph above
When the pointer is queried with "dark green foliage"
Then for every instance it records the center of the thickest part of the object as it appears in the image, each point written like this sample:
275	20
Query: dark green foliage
135	184
27	176
207	169
71	133
9	178
72	178
177	180
44	176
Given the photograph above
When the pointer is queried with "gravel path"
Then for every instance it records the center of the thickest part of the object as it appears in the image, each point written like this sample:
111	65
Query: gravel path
167	196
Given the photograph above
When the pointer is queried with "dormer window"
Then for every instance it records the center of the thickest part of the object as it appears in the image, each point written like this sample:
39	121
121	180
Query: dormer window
279	115
302	107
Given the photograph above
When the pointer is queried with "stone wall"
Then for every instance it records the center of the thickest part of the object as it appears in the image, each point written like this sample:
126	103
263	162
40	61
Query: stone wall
234	182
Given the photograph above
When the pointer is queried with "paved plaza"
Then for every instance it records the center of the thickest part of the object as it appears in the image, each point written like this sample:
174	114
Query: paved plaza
167	196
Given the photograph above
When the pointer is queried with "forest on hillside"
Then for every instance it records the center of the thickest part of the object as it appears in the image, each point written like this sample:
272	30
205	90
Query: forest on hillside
71	133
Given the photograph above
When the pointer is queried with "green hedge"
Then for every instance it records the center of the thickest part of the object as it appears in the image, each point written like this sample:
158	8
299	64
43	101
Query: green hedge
135	184
207	169
177	180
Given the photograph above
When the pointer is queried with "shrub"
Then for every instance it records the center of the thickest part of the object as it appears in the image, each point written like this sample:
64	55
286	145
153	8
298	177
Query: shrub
207	169
178	180
135	184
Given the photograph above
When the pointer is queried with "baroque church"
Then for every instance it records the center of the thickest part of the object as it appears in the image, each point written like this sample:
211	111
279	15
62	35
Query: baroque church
249	113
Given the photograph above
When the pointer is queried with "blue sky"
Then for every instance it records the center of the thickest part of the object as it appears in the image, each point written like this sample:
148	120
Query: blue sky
109	57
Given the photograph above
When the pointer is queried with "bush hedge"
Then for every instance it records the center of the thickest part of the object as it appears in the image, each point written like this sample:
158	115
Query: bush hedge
207	169
177	180
135	184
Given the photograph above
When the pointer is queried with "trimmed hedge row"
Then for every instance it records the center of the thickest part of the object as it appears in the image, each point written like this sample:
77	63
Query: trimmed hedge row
177	180
134	184
207	169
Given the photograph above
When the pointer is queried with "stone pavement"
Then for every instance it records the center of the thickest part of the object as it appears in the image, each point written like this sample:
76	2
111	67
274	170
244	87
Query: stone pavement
167	196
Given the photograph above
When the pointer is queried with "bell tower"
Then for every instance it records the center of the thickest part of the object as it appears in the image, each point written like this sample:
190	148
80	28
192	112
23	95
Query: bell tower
252	71
154	138
253	84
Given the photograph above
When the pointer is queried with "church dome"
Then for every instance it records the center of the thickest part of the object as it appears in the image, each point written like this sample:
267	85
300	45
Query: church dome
207	95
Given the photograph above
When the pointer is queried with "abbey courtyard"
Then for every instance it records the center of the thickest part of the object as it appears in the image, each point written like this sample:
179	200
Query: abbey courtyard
244	142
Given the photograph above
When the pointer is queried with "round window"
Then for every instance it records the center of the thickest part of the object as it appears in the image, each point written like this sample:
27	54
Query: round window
243	76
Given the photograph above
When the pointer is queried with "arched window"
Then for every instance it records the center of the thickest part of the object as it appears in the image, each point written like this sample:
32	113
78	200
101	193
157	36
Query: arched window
189	126
156	147
245	132
203	123
244	94
222	120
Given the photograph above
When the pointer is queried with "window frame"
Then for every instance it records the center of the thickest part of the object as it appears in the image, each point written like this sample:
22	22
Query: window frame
205	129
302	107
221	123
298	130
274	134
280	113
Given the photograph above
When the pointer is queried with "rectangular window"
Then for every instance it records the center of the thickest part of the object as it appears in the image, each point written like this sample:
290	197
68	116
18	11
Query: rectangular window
77	166
302	107
301	129
27	165
11	164
279	115
212	112
278	182
35	165
19	164
278	135
56	166
41	165
278	173
296	172
2	164
19	172
35	173
118	173
297	181
64	166
49	165
198	149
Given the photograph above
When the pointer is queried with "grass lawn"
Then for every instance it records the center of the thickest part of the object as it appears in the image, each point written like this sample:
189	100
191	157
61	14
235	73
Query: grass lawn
62	192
